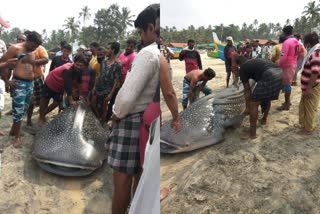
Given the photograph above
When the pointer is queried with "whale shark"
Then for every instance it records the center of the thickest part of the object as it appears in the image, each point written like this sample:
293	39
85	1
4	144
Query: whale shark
72	144
205	121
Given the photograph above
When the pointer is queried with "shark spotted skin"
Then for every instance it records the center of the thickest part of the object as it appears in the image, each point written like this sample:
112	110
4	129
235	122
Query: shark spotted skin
205	121
72	144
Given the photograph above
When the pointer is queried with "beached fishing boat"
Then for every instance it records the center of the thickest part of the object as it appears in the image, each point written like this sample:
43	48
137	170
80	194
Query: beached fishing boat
219	45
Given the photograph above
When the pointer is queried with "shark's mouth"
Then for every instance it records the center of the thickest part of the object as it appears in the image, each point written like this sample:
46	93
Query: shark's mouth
167	147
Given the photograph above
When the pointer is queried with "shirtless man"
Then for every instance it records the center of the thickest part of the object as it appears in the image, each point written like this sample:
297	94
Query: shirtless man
22	80
195	79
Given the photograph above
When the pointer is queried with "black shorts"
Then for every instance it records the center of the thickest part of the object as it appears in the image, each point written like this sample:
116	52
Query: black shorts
269	87
48	94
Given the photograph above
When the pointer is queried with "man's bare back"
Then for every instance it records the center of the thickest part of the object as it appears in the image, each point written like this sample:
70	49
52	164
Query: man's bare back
194	75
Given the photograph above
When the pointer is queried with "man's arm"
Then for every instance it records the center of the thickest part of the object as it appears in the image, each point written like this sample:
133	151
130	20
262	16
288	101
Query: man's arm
169	93
191	88
52	65
116	82
43	57
199	61
11	53
10	63
202	85
182	55
67	77
170	52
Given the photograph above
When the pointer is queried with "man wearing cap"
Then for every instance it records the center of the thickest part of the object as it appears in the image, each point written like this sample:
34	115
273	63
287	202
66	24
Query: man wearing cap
228	51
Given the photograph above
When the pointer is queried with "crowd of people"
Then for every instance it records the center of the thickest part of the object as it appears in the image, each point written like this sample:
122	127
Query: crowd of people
274	67
120	88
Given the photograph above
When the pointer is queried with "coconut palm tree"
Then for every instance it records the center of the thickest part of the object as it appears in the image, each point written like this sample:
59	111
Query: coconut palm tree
72	27
288	22
312	12
85	14
255	23
125	20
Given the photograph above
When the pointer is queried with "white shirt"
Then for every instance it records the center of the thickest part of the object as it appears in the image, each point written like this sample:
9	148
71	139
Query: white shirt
141	83
2	90
3	48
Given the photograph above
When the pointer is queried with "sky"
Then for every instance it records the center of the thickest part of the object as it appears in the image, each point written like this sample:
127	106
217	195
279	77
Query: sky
43	14
183	13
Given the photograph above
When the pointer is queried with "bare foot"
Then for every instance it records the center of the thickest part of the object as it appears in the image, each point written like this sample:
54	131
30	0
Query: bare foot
2	133
17	143
303	132
247	136
11	133
42	122
283	108
164	192
263	121
8	113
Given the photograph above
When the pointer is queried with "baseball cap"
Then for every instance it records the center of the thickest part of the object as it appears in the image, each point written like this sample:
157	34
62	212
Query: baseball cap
229	38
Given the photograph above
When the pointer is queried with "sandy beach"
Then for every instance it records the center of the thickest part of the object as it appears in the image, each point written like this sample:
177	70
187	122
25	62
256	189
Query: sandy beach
26	188
276	173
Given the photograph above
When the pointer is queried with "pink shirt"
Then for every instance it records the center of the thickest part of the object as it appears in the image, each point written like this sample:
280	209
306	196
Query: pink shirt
290	52
126	62
55	80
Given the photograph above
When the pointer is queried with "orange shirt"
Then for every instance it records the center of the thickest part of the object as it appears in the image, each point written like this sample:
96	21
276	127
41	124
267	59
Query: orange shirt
40	52
96	67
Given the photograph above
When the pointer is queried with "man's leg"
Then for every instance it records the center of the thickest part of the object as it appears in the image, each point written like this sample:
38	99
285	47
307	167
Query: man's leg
29	114
254	106
20	104
302	111
253	118
15	129
263	120
185	93
136	179
228	78
43	109
122	192
311	109
52	107
287	103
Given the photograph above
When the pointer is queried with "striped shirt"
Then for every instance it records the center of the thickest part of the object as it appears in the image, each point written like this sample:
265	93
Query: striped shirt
312	66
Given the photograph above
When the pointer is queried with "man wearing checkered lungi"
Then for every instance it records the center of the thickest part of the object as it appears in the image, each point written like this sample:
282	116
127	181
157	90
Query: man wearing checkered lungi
268	77
41	58
134	96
